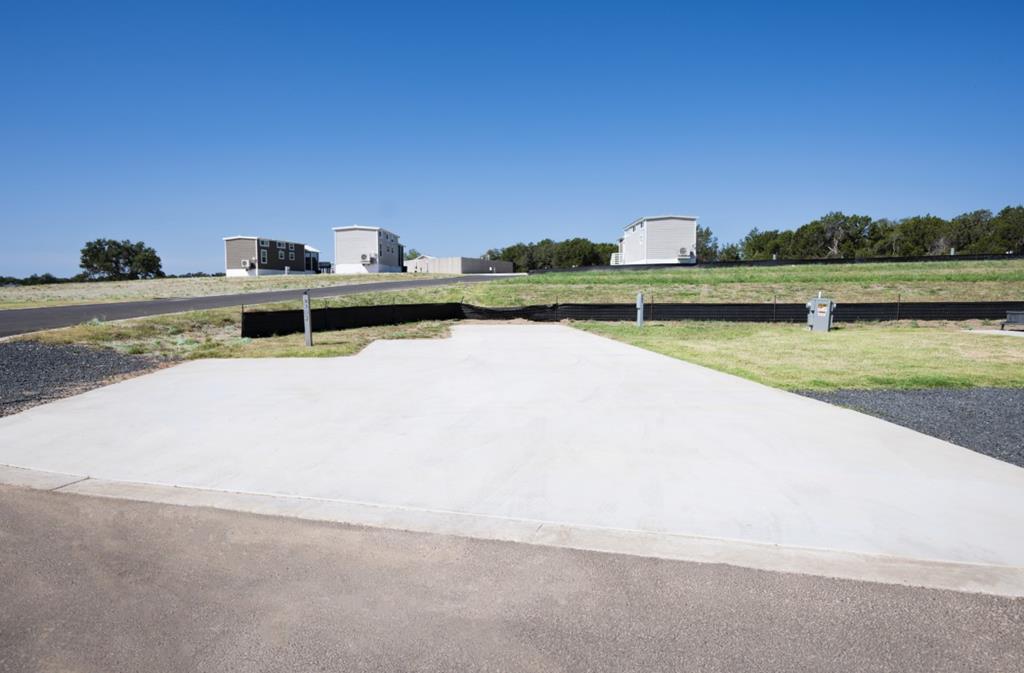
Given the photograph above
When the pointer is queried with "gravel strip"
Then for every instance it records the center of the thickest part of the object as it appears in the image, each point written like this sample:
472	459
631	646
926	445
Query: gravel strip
33	373
986	420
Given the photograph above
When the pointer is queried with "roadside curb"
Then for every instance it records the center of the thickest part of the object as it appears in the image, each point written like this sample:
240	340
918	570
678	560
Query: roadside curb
963	577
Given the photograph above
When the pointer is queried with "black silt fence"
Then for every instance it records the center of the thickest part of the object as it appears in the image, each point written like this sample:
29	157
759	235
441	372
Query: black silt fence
271	323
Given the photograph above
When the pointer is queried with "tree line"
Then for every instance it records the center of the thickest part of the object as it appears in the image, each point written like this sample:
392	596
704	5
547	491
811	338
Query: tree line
549	254
835	234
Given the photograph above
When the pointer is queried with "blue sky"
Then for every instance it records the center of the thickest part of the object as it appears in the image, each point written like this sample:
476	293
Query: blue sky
469	126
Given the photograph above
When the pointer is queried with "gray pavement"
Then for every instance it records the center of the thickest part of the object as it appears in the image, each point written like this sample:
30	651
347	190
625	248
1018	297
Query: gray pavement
23	320
98	585
543	433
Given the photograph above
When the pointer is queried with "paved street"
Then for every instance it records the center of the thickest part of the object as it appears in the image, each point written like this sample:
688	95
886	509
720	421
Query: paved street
22	320
100	585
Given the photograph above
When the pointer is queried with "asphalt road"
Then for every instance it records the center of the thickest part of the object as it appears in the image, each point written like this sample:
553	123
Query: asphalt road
90	584
22	320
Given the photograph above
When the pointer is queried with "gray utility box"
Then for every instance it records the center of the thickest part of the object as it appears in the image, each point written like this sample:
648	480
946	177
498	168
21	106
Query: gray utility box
819	314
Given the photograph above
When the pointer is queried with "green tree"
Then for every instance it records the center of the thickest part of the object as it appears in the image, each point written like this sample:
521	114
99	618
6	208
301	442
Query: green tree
707	245
412	253
923	235
729	253
107	259
1007	231
967	231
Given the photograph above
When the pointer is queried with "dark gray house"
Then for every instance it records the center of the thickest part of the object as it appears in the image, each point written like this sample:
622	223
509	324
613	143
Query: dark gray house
255	256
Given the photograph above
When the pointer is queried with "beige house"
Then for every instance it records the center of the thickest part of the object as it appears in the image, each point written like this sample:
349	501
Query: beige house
428	264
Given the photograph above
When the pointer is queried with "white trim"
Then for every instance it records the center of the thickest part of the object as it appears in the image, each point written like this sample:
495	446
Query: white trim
659	217
240	238
360	227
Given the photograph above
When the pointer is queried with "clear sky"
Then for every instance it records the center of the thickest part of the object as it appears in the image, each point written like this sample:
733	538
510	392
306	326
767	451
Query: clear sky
469	126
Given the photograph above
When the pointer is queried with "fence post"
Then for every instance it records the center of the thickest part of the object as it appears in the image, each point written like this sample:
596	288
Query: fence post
307	323
639	309
898	298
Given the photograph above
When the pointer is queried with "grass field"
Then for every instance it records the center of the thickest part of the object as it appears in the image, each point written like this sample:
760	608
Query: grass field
926	281
898	355
860	355
64	294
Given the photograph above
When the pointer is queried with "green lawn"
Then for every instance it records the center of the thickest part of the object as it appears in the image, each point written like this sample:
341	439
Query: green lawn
899	355
924	281
930	281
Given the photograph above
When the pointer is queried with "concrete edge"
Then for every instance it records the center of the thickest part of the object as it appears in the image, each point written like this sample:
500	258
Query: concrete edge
963	577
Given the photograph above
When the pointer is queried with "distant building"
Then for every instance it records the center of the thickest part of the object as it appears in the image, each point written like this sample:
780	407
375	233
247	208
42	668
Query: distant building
666	239
428	264
254	256
360	249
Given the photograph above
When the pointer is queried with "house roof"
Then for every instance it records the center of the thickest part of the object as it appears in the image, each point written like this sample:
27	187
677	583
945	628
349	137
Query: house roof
660	217
310	248
266	238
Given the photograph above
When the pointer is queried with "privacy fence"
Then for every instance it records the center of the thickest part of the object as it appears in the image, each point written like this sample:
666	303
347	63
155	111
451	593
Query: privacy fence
784	262
271	323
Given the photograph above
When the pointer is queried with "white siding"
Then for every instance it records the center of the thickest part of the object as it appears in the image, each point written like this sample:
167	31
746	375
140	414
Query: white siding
658	240
351	244
633	244
667	238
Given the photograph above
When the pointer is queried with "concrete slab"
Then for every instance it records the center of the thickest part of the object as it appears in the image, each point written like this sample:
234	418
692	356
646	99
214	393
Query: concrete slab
506	427
1004	332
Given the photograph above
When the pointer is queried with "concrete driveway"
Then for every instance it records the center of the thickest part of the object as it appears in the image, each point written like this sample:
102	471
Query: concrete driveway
545	434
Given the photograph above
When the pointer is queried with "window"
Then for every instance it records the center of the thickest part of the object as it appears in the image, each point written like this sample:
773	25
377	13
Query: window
291	256
291	246
263	256
280	254
264	243
279	244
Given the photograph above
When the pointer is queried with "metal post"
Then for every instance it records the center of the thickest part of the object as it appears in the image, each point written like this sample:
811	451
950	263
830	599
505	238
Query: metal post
639	309
307	323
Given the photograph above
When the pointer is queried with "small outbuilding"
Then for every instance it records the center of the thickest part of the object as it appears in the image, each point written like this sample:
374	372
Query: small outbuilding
428	264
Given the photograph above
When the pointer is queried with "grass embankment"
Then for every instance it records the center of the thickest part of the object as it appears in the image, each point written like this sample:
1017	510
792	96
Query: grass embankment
215	334
901	355
923	281
860	355
65	294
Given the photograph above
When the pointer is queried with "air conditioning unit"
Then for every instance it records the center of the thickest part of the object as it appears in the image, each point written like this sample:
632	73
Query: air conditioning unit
245	264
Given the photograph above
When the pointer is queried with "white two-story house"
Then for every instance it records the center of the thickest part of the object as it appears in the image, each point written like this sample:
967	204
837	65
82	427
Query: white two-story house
359	249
